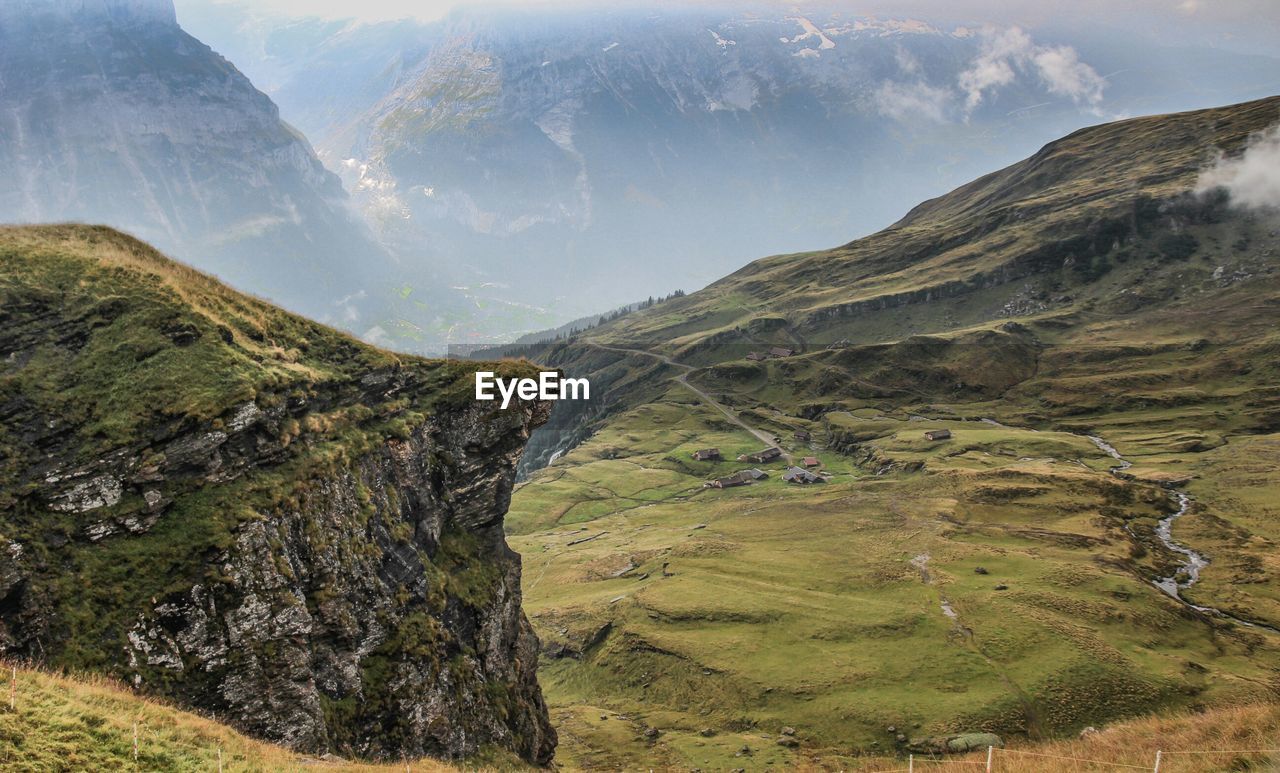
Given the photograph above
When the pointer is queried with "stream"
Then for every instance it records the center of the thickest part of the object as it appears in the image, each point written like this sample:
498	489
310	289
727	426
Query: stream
1188	573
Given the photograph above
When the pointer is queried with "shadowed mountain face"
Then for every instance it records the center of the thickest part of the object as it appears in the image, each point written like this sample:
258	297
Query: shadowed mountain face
638	152
111	113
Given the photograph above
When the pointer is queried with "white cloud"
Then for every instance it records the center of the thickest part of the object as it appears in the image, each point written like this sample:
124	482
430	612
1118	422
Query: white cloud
907	62
906	101
1004	56
1007	52
993	66
1252	179
1063	72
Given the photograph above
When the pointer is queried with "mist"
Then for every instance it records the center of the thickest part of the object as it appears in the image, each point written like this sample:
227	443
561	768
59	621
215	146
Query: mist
1251	179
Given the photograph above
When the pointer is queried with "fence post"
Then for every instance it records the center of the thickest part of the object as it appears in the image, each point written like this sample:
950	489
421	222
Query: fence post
911	763
1156	769
13	690
990	750
135	741
219	759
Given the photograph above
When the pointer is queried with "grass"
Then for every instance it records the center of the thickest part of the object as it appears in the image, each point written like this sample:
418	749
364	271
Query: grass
87	723
115	358
1082	292
800	606
1186	743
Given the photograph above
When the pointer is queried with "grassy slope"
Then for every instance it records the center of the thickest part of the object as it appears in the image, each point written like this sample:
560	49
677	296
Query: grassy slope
125	349
137	300
1069	188
801	607
128	345
87	723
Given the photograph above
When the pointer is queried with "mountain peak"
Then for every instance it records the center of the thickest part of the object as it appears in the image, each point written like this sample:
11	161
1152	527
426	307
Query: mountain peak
121	11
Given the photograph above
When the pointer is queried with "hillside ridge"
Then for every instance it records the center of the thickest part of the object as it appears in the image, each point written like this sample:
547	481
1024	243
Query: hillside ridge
254	515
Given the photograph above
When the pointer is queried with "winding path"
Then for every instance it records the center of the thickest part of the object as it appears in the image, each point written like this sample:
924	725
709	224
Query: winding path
683	380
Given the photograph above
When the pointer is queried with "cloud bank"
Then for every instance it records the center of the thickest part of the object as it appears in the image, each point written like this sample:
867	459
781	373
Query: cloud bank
1252	179
1005	54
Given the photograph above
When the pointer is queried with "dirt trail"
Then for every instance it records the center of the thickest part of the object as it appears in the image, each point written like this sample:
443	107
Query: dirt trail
683	380
970	642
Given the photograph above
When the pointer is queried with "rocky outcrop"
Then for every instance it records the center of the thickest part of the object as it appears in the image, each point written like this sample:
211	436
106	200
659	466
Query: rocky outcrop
318	559
376	613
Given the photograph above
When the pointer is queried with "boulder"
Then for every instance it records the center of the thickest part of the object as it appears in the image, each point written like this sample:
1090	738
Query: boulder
968	742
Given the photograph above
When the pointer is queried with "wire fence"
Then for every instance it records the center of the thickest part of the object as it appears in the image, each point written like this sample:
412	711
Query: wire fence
993	760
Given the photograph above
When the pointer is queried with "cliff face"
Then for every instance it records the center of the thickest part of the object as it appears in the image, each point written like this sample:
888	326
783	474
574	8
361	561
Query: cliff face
255	515
123	11
111	113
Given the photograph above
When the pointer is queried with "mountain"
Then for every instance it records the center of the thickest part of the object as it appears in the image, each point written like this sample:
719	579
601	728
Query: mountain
255	515
1092	538
111	113
644	150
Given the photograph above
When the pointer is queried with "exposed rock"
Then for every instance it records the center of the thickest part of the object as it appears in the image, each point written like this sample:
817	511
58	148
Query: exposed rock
324	567
955	744
99	491
968	742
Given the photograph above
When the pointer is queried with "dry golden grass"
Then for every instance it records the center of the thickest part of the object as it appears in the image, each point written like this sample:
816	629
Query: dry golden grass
61	723
203	292
1239	738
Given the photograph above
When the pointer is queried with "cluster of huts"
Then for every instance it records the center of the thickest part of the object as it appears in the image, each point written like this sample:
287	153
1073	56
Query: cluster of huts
805	472
776	353
800	475
794	474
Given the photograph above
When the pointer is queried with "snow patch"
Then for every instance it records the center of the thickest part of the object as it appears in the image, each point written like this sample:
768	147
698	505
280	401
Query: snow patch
723	43
809	31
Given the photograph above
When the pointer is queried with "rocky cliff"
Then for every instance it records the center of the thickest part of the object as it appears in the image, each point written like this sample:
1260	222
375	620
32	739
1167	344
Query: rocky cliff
253	514
111	113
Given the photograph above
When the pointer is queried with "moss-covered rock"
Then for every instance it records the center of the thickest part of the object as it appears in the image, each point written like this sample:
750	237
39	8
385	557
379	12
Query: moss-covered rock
253	514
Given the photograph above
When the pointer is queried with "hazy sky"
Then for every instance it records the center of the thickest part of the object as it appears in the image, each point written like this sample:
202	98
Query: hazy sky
1248	25
1242	12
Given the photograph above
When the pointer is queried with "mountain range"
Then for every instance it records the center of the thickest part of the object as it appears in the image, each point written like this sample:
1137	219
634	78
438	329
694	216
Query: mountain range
111	113
644	150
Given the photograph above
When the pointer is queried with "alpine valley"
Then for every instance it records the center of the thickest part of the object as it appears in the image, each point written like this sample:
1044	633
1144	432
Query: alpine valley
1092	538
1003	476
